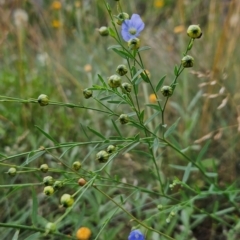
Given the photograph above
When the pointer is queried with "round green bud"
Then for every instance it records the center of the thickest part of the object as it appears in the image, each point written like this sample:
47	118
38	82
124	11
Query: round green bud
48	181
76	165
134	43
126	87
102	156
121	17
187	61
43	100
194	31
121	70
50	227
123	118
67	200
87	93
114	81
167	91
48	190
103	31
111	148
160	207
44	168
57	185
12	171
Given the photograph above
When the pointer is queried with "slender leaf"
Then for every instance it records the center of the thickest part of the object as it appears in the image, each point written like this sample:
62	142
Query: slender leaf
171	129
122	53
112	32
116	128
187	173
15	237
154	106
32	156
144	48
114	46
134	144
34	208
117	102
35	236
96	133
47	135
102	81
151	118
135	77
160	83
176	70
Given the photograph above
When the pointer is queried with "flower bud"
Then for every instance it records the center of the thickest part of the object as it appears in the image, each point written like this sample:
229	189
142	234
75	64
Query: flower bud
194	31
43	100
121	17
134	43
121	70
44	168
103	31
167	91
123	118
48	181
187	61
114	81
87	93
76	165
126	87
81	181
67	200
102	156
48	190
12	171
57	185
50	227
111	148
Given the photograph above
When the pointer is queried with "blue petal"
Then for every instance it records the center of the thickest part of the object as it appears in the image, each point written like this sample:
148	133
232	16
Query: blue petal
136	235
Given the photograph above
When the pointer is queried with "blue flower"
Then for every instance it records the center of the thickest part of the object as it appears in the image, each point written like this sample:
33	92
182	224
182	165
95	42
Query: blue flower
136	235
132	28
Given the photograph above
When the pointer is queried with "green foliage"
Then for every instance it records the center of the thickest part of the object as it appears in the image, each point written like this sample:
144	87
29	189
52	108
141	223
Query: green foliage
167	174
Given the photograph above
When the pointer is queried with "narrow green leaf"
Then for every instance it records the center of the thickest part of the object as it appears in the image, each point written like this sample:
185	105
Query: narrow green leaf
1	155
47	135
151	118
144	48
114	46
96	133
117	102
112	32
102	81
32	156
176	70
116	128
35	236
34	208
187	173
122	53
155	146
154	106
134	144
144	76
15	237
142	115
171	129
136	125
160	83
84	131
135	77
105	98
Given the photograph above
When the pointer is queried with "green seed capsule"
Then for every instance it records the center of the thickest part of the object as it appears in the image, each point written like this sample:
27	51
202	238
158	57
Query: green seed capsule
44	168
121	17
134	43
166	91
67	200
123	118
121	70
111	148
48	190
76	165
194	31
87	93
43	100
48	181
57	185
103	31
126	87
187	61
114	81
50	227
102	156
12	171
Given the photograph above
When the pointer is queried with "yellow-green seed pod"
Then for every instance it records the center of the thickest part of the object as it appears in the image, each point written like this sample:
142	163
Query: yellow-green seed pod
102	156
48	190
111	148
194	31
121	17
167	91
87	93
134	43
67	200
57	185
103	31
76	165
126	87
43	100
44	168
187	61
123	118
50	227
12	171
48	181
121	70
114	81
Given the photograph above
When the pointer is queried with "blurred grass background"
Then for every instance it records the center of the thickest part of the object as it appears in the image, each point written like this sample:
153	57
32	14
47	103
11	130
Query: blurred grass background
56	50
